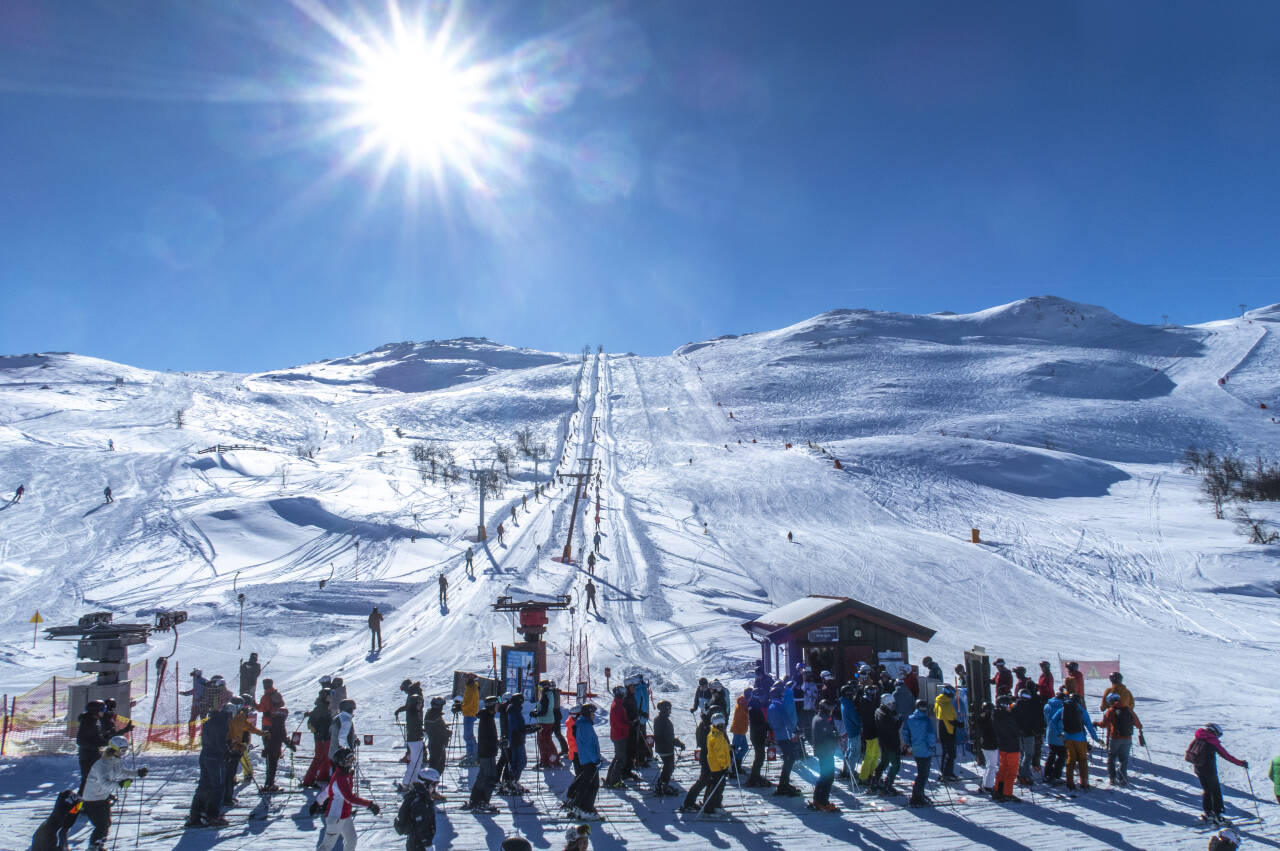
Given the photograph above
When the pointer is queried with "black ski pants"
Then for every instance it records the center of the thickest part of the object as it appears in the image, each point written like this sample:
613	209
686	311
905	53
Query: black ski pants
588	784
788	752
664	776
1211	790
922	777
1057	759
826	776
712	782
758	747
88	756
618	768
486	779
99	815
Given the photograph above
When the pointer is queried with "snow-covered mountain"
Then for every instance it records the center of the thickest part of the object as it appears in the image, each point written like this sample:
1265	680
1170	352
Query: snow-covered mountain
1055	428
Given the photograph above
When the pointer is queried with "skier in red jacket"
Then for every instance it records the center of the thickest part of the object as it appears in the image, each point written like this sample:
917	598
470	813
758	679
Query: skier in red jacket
336	803
1003	679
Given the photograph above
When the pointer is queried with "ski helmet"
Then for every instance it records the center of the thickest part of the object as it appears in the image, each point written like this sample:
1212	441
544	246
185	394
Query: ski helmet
664	705
216	680
428	775
1071	666
196	672
619	691
999	663
94	706
326	680
948	689
406	685
253	657
1228	834
343	757
119	744
588	708
922	704
1024	694
1019	669
336	681
1216	729
826	675
347	705
1044	664
491	700
1113	698
109	703
848	690
1116	677
575	710
717	719
437	702
886	700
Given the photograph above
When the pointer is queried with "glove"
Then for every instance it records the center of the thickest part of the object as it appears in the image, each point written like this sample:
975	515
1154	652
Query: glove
1246	765
142	772
374	808
126	783
315	809
291	746
1142	740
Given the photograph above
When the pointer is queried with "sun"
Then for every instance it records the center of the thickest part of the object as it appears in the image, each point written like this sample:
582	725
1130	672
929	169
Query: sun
411	92
414	103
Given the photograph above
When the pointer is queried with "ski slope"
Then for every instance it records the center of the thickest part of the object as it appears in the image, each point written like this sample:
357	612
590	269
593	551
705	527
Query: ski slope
1053	427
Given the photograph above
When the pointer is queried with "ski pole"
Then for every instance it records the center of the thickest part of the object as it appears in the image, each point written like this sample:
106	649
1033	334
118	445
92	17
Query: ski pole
142	794
124	800
1252	797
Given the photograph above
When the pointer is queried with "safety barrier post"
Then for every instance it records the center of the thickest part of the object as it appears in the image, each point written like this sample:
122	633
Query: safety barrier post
4	734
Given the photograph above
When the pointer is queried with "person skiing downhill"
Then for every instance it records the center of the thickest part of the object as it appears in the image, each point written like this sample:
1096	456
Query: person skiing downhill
471	569
106	492
336	804
17	495
444	591
1202	753
375	630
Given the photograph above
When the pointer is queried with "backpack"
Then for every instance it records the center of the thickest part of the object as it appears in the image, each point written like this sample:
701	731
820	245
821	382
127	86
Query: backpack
1198	752
1122	722
1071	720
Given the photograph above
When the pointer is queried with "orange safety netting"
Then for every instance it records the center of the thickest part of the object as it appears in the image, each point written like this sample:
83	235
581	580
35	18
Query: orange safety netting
35	722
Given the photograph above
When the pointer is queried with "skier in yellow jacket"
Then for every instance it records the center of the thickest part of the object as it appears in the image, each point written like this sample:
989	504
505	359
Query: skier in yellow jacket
716	772
944	709
470	708
1117	687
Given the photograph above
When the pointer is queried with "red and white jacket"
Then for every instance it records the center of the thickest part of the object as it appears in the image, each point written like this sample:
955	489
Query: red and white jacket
339	796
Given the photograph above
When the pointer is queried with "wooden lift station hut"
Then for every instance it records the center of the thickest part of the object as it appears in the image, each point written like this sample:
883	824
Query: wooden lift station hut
833	634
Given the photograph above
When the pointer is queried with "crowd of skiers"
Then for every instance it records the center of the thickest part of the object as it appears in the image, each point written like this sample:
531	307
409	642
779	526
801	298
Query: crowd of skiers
1033	732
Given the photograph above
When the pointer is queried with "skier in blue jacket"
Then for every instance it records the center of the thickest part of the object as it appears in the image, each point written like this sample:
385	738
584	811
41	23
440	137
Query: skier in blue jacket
783	720
1054	738
919	736
587	784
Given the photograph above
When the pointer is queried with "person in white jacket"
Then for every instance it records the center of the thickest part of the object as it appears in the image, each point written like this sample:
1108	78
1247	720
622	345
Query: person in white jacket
108	776
342	732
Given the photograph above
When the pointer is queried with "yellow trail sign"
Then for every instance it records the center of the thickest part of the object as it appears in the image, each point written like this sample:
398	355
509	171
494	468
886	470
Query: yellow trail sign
36	618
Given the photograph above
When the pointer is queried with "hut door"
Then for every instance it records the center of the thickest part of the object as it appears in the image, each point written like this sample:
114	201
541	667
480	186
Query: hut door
855	655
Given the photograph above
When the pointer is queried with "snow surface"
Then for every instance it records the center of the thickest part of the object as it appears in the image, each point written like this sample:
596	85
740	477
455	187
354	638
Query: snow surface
1054	428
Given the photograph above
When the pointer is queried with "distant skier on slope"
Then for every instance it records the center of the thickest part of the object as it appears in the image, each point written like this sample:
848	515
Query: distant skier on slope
375	630
17	495
591	598
249	671
591	563
471	570
107	493
444	591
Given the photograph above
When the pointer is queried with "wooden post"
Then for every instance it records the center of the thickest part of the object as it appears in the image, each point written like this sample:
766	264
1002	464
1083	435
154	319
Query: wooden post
974	537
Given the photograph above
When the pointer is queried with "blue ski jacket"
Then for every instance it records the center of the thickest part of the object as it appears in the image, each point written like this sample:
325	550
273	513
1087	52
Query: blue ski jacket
588	742
918	734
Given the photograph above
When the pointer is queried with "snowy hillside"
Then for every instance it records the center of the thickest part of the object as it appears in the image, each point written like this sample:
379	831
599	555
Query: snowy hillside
1054	428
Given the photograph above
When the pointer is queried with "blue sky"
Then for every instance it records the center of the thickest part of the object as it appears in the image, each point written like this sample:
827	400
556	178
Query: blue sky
170	197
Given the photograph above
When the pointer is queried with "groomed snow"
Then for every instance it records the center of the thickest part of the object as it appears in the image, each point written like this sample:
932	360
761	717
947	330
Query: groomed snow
1035	422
